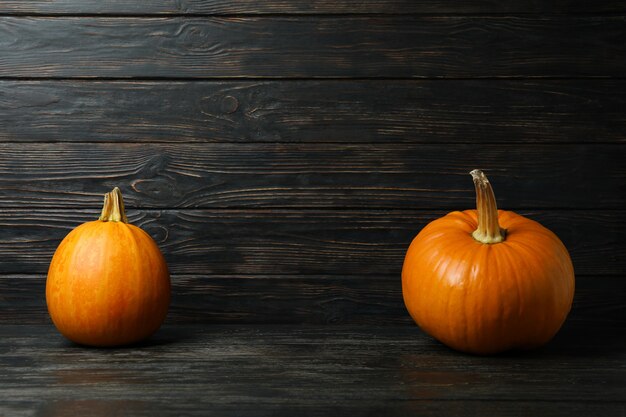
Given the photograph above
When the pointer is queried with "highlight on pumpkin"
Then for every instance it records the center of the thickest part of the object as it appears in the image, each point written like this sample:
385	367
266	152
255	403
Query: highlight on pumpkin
485	281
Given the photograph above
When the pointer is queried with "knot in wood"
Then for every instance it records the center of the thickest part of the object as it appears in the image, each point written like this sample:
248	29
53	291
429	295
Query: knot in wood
229	104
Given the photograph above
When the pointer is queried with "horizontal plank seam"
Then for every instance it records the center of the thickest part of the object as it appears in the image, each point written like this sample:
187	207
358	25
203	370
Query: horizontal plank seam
314	78
308	210
282	275
368	328
474	400
617	142
269	15
434	399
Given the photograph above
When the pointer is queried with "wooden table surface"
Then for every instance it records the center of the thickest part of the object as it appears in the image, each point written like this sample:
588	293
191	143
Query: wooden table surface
324	370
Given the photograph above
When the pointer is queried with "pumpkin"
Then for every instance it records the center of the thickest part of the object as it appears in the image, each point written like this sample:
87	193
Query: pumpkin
486	281
108	283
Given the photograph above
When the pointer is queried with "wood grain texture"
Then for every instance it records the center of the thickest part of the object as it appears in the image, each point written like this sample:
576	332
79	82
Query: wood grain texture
279	47
313	111
217	7
405	176
308	370
283	408
293	242
296	299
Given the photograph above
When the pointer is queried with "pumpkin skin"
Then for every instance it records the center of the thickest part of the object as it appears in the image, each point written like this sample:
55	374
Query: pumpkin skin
108	284
486	298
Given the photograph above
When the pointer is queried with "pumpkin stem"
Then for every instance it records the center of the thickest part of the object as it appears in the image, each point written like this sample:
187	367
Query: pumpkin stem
113	209
489	230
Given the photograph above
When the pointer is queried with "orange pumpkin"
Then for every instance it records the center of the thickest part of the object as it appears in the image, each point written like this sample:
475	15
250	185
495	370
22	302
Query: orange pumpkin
108	283
485	281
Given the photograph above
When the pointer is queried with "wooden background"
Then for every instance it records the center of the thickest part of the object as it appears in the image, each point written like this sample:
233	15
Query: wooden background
283	154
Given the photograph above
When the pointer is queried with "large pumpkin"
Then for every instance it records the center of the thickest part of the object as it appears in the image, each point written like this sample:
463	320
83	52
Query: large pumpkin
485	281
108	283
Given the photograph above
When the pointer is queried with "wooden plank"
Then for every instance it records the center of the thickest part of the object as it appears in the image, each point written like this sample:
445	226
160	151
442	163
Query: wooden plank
276	242
296	299
190	405
220	7
279	47
405	176
310	370
346	111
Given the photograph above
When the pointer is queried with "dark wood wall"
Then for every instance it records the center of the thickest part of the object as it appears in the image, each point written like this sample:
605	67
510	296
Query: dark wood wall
284	153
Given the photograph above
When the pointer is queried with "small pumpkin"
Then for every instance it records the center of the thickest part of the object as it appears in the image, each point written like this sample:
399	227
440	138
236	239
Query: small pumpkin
108	283
485	281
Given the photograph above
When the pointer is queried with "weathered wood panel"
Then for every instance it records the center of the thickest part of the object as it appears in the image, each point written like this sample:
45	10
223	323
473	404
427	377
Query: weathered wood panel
325	299
345	111
300	242
104	407
311	175
308	370
187	7
557	46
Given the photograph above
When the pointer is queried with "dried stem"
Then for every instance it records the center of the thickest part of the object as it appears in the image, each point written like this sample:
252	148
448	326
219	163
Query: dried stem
113	209
489	230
